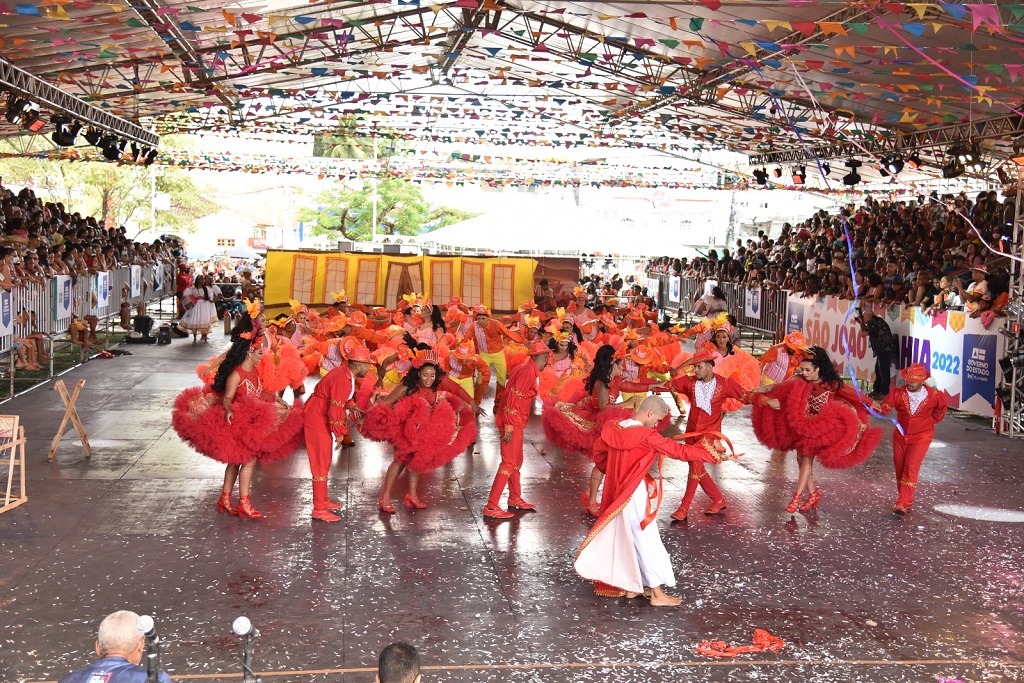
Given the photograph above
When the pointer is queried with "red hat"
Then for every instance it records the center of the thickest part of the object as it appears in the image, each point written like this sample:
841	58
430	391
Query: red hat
528	305
539	348
795	341
480	309
703	356
915	373
421	358
642	355
357	318
465	349
358	354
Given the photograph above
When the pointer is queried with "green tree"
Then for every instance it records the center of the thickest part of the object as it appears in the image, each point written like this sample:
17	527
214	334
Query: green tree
115	194
401	210
346	142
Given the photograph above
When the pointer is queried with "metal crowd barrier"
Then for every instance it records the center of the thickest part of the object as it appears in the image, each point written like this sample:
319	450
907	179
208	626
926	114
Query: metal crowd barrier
48	308
769	319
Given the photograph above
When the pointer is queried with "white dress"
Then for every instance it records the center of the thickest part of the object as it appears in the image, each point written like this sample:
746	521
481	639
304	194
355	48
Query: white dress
201	317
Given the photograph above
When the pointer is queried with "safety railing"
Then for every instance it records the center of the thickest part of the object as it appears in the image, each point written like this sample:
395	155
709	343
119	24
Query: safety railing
48	308
758	309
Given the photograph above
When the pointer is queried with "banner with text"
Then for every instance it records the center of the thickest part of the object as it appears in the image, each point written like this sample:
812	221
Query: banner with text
960	353
6	314
136	281
103	289
62	297
752	303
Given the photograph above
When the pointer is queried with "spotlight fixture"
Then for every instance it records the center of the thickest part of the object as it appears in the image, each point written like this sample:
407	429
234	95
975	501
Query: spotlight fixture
799	175
914	161
93	137
1004	176
149	157
761	176
893	164
112	147
777	172
16	108
956	165
67	130
826	170
852	178
31	120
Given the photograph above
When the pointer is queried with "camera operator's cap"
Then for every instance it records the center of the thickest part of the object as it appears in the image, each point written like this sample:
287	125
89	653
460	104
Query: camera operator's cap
915	373
539	348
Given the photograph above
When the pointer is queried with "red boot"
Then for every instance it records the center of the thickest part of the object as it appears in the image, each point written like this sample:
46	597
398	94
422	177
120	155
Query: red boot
224	504
245	509
812	501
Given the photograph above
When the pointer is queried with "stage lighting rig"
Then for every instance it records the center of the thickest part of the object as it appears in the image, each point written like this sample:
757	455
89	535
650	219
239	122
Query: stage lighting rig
761	176
799	175
67	130
16	108
852	178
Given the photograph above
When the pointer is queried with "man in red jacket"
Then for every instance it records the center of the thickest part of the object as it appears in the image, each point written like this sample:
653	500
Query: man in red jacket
918	409
325	415
511	412
623	553
706	392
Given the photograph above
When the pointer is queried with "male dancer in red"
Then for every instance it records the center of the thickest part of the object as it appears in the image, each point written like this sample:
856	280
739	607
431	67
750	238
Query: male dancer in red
706	392
511	412
324	416
623	553
490	336
918	409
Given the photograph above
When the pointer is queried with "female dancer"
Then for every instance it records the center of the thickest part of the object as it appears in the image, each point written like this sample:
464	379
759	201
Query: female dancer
202	314
237	423
561	377
734	363
818	416
428	426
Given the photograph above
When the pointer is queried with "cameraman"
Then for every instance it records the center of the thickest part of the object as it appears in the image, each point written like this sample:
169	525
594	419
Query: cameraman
882	344
120	645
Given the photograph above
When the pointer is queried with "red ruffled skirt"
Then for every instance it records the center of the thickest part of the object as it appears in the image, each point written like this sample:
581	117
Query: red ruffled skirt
259	430
424	436
836	436
575	424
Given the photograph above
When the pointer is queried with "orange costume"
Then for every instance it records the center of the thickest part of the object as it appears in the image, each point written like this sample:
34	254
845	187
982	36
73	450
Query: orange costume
706	408
780	361
512	411
468	370
917	413
490	342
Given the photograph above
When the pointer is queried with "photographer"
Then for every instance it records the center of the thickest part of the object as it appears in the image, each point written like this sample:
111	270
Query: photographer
120	646
883	344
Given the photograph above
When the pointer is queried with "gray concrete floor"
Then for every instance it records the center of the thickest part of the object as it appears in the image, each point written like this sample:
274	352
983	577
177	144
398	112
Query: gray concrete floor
857	593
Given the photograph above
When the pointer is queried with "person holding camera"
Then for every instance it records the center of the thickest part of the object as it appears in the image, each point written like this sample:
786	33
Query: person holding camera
882	344
120	646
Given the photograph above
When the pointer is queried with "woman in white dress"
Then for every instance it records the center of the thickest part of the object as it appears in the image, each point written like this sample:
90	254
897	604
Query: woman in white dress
200	302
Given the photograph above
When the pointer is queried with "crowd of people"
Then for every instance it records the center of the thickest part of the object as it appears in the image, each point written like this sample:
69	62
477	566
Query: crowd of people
927	252
414	376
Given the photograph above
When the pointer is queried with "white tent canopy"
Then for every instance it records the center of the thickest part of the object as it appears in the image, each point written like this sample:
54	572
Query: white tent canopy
562	230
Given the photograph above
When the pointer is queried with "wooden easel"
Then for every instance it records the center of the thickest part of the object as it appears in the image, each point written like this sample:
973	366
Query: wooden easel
12	444
70	413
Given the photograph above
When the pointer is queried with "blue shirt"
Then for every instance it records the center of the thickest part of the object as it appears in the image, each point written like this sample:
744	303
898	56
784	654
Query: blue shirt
112	670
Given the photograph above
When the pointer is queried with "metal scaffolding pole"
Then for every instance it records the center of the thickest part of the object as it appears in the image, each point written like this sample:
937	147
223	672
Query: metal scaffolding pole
1011	392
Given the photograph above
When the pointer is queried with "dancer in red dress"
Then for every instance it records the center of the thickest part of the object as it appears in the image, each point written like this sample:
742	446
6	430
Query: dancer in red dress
428	419
623	553
706	393
326	416
237	423
511	412
918	409
820	417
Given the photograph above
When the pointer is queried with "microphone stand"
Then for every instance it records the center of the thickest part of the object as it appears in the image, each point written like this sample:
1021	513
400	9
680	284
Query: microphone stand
244	628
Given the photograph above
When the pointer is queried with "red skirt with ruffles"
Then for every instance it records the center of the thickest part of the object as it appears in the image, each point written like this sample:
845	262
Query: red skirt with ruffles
424	436
836	436
575	424
259	430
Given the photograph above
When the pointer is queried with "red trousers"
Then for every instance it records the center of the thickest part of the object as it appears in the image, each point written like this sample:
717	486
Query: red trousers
699	475
319	447
907	456
508	471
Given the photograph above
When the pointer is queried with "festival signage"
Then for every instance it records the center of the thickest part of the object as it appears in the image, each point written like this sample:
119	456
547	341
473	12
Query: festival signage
960	352
136	281
6	314
674	289
102	289
752	303
62	297
653	287
158	277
